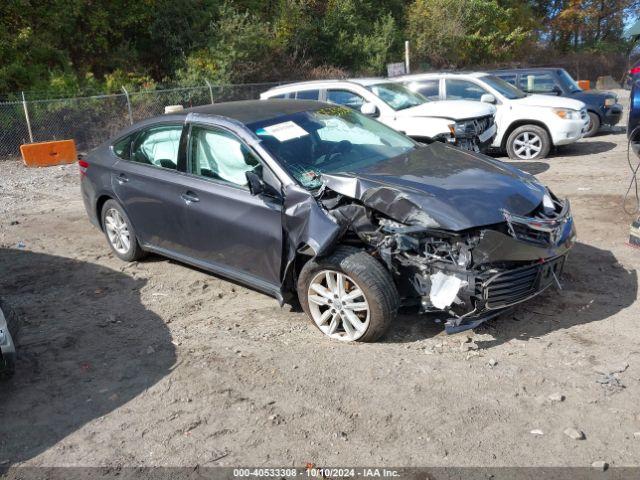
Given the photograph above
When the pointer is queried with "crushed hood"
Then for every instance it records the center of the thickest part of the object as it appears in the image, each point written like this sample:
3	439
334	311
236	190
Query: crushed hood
549	101
439	186
453	109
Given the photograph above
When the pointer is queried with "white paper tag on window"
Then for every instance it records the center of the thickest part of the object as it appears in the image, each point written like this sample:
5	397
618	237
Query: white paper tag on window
286	131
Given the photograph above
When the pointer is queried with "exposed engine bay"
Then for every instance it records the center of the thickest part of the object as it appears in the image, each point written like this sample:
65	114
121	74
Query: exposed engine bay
468	275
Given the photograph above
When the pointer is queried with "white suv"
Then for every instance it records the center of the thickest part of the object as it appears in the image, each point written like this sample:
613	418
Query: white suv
466	124
528	126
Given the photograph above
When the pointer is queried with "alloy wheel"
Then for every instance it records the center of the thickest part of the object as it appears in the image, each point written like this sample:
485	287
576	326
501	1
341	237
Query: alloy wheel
338	306
527	145
117	231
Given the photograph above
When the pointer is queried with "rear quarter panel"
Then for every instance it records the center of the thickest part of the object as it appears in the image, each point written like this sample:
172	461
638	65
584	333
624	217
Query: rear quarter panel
97	181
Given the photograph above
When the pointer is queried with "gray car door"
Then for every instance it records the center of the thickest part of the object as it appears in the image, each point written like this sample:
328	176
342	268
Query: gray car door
230	230
150	187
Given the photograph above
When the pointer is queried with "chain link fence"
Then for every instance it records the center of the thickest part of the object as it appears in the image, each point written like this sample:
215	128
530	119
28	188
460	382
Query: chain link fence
91	120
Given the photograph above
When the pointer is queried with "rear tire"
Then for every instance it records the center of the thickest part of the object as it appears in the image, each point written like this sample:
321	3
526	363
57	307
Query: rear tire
358	271
120	233
528	142
594	125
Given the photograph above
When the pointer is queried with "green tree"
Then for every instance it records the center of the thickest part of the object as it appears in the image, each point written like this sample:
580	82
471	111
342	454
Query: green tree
457	33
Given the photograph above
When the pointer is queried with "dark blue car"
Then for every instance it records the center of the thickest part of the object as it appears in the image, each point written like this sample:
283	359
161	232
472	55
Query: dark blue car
633	125
603	107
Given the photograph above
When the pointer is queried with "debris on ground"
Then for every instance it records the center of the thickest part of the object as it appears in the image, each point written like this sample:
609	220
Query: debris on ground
574	433
556	397
608	377
537	431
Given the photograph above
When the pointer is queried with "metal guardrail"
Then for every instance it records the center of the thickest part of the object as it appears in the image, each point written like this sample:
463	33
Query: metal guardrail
91	120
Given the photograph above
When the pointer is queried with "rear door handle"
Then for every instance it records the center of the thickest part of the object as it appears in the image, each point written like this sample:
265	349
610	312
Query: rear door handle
190	197
122	178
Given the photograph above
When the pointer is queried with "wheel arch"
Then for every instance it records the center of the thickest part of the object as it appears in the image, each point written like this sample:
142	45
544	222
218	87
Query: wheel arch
102	199
521	123
594	110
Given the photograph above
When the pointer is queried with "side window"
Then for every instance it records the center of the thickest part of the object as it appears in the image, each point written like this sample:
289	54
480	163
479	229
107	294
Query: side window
428	88
509	78
346	98
282	95
122	148
537	82
158	146
463	90
220	155
308	95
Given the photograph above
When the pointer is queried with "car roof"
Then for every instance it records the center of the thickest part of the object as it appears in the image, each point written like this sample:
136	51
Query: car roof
427	75
249	111
520	70
319	83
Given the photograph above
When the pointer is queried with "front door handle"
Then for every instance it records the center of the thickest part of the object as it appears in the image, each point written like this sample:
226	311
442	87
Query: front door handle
122	178
189	197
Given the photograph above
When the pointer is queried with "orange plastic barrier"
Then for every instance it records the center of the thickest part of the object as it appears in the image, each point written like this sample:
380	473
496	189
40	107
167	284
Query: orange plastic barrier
584	84
46	154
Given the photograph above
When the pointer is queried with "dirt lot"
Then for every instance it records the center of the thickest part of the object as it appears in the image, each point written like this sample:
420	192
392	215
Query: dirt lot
156	363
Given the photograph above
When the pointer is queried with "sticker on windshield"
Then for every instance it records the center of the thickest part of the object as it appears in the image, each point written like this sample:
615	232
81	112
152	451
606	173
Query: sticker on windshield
286	131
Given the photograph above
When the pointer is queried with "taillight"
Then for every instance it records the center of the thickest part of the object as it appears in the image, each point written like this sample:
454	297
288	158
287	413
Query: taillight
634	71
83	166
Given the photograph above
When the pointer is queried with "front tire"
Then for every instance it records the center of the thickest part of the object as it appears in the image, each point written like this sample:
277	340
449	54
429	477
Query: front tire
594	125
348	295
528	142
121	236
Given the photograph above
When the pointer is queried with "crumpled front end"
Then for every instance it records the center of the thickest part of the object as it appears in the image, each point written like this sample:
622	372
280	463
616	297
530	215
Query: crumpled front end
467	276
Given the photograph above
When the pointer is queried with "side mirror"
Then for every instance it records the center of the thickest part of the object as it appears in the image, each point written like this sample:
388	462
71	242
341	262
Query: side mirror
487	98
369	109
556	90
256	186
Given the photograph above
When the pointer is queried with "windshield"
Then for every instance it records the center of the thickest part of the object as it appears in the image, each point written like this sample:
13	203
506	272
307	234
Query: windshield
329	140
397	96
503	88
569	83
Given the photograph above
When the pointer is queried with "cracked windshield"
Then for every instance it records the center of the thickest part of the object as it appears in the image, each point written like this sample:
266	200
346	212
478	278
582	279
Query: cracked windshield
328	140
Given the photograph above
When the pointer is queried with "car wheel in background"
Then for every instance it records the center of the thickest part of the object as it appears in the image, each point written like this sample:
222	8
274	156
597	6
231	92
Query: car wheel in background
349	295
120	233
594	125
528	142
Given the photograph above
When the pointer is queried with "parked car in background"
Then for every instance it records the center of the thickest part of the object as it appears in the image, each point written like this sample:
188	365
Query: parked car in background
528	126
9	330
467	125
293	196
603	107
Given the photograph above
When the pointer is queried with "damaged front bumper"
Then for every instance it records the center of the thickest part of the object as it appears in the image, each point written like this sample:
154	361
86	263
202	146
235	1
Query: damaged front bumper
476	135
489	271
493	293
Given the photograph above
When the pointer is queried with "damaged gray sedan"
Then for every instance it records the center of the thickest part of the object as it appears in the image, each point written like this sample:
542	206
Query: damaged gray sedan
299	198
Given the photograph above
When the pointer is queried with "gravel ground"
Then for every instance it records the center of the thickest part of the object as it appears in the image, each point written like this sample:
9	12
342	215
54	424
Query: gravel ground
155	363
